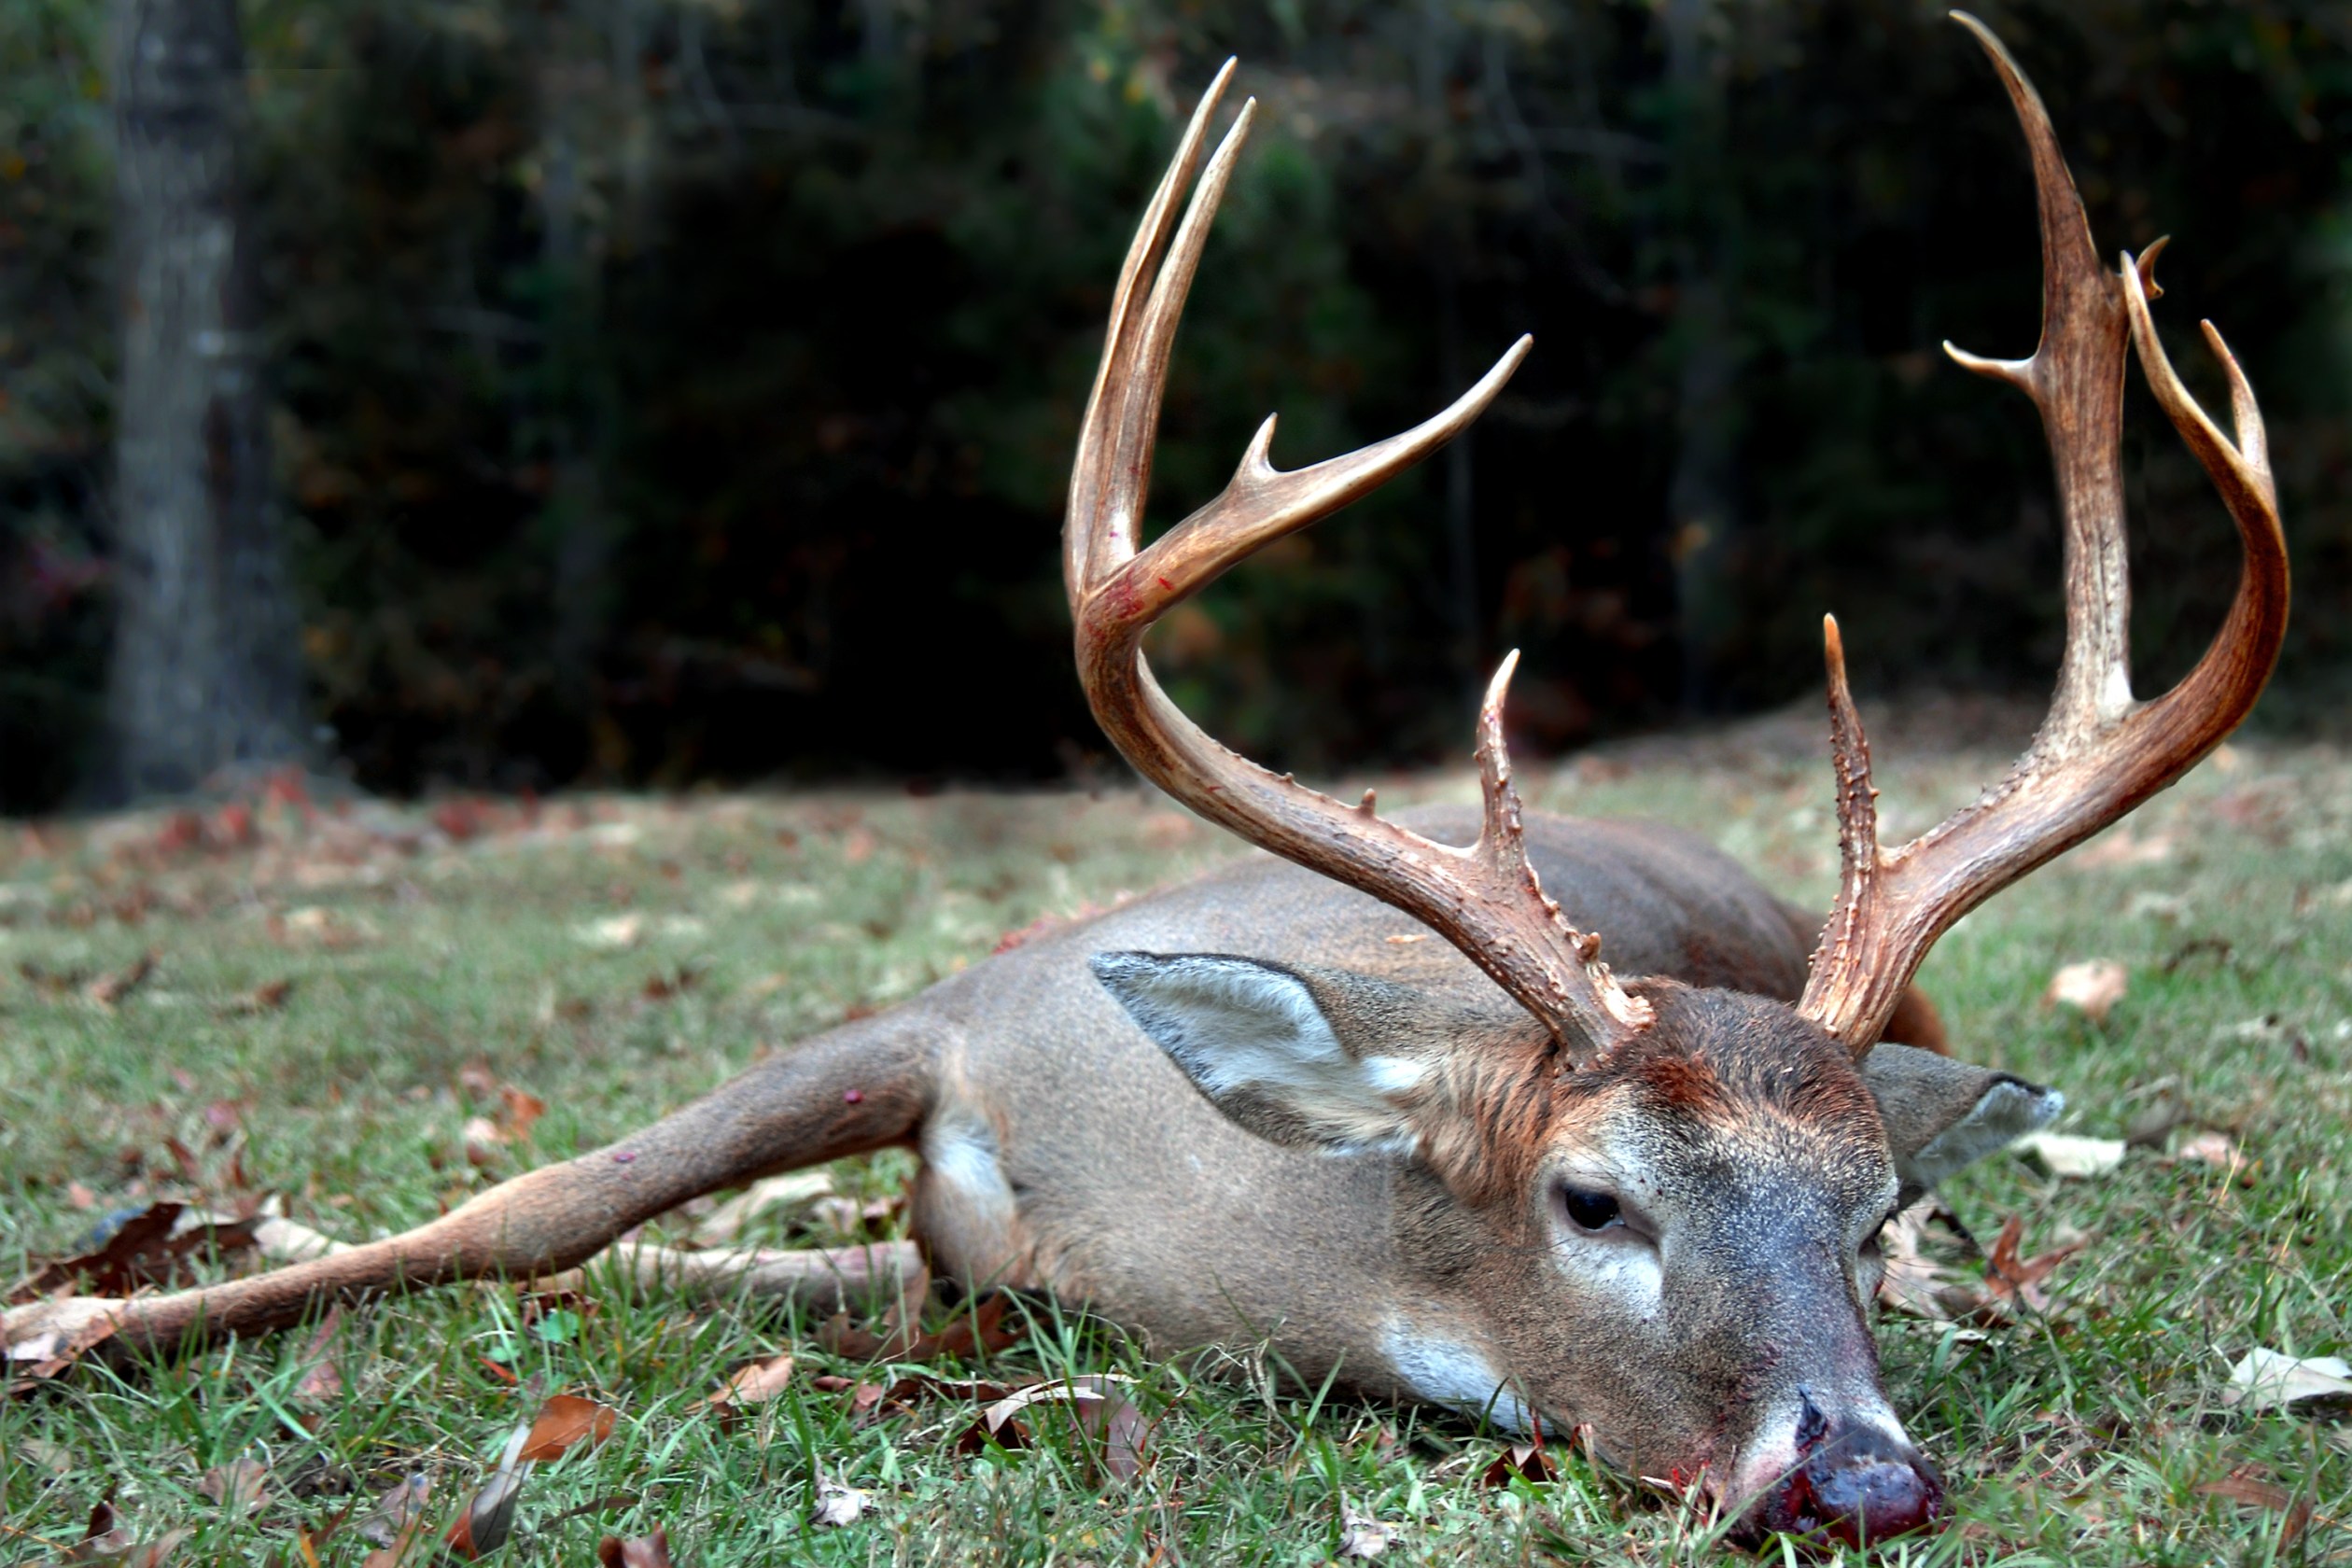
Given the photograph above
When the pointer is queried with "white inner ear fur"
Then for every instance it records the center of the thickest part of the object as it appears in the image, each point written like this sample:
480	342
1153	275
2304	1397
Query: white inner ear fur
2006	1111
1236	1026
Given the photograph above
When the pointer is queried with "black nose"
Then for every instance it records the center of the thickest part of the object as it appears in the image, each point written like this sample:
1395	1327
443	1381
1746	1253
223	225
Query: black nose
1854	1485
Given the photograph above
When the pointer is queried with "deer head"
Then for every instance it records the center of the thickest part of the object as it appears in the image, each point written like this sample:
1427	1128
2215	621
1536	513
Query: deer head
1668	1198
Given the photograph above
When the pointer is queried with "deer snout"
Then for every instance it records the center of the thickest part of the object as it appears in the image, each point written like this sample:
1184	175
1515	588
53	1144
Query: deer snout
1851	1481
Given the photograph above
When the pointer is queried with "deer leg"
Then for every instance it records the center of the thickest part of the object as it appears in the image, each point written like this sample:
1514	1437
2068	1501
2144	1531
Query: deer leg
822	1280
864	1086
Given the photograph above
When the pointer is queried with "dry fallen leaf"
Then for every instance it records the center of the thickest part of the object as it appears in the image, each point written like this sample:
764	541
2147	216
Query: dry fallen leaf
2266	1379
482	1140
1530	1460
268	996
322	1376
519	1112
310	1541
661	986
755	1384
1117	1428
240	1486
1923	1286
154	1554
2212	1148
397	1522
105	1542
2091	988
642	1551
1912	1282
312	925
109	990
53	984
2246	1488
869	1402
1112	1425
101	1536
564	1422
489	1517
979	1327
2011	1282
839	1504
143	1249
1360	1535
2065	1155
612	934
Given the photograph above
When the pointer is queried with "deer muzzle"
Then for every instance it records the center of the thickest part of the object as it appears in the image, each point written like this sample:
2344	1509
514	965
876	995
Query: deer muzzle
1852	1482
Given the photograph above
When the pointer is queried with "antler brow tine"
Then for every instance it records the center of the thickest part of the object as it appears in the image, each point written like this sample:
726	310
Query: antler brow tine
1486	898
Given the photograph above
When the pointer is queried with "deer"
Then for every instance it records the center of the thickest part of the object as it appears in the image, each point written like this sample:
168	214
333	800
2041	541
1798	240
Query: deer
1640	1199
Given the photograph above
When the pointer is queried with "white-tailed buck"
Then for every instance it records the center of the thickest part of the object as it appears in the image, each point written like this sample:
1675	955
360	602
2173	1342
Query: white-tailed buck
1486	1172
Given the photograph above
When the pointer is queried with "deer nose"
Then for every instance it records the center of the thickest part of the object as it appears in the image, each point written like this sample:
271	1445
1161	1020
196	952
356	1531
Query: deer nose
1855	1484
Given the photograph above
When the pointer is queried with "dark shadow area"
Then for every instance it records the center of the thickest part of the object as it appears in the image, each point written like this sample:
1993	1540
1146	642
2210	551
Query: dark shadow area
664	391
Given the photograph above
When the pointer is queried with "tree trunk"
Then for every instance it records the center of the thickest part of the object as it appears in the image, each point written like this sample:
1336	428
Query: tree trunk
207	670
1703	493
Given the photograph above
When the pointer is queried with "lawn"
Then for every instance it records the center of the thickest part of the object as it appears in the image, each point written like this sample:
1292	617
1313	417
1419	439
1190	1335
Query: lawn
337	1003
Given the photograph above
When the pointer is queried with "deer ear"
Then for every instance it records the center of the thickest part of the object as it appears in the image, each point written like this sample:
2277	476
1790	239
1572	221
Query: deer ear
1943	1115
1316	1058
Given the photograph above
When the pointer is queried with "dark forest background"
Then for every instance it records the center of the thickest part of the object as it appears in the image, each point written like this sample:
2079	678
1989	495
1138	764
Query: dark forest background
658	391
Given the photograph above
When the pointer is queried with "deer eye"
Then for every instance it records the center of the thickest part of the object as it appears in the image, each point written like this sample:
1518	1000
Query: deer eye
1590	1210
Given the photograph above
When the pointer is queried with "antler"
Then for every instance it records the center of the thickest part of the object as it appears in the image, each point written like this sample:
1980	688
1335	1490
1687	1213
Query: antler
1485	899
2099	753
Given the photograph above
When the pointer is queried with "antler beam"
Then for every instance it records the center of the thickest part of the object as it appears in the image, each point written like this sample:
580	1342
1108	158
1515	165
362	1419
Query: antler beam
1485	899
2099	753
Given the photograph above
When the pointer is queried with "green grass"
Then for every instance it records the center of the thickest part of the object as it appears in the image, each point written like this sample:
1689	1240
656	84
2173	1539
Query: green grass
2081	1438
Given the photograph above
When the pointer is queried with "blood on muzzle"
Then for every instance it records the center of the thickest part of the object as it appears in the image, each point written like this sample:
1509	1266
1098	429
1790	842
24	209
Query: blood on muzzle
1852	1484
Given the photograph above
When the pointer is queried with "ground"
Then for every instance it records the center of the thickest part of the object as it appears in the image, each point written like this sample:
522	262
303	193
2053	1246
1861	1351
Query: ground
338	1002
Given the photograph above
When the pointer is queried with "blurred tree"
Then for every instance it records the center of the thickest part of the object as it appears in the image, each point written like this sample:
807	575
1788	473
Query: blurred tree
679	388
205	671
1702	495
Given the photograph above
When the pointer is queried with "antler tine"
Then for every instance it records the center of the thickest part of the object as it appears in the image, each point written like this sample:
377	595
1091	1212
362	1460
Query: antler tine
1501	847
2098	753
2237	665
1485	899
1117	506
2076	379
1845	942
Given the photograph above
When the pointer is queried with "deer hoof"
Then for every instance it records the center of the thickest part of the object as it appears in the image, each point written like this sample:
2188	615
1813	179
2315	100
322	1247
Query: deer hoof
59	1330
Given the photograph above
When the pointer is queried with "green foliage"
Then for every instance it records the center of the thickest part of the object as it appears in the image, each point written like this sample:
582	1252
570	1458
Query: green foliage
55	372
679	387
